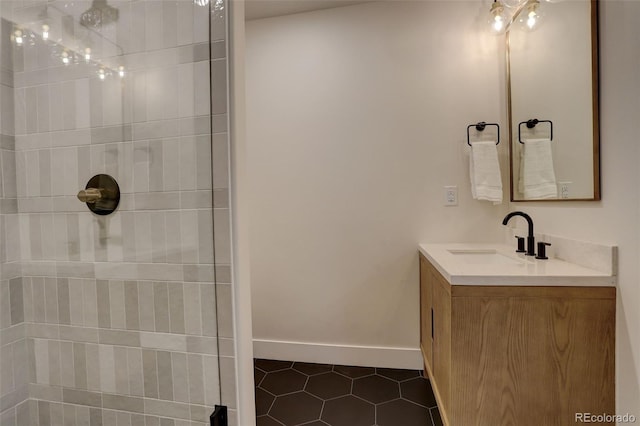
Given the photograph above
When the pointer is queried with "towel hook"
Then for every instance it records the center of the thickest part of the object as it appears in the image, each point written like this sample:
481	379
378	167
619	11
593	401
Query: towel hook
480	126
531	123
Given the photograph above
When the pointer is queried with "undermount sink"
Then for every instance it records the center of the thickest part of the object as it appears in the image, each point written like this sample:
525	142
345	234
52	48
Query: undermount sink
483	257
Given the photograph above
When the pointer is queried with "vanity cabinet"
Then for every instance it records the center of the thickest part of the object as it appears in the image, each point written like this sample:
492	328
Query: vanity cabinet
517	355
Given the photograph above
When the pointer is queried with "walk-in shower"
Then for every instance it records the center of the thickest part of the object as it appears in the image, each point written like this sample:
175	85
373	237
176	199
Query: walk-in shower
122	318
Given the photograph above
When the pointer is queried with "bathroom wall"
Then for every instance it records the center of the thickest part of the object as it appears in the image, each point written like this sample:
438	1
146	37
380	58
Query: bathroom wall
616	219
14	377
127	316
356	119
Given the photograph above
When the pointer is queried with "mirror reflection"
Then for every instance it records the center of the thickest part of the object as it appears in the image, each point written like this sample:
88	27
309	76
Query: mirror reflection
553	105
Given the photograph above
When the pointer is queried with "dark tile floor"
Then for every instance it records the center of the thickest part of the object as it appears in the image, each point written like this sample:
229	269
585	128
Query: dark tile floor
295	393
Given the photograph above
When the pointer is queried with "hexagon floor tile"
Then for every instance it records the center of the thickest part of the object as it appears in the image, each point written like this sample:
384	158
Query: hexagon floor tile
328	385
376	389
296	394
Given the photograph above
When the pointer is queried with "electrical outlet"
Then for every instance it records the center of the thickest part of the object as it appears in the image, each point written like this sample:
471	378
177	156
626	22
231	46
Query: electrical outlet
451	195
564	188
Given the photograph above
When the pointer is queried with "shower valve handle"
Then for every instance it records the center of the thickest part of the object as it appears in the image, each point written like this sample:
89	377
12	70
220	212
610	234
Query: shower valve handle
102	194
90	195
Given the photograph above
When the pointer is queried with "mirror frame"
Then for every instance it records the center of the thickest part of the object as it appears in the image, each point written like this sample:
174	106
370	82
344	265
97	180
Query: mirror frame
595	107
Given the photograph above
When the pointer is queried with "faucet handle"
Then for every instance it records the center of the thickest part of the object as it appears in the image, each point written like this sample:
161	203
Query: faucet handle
90	195
520	245
542	247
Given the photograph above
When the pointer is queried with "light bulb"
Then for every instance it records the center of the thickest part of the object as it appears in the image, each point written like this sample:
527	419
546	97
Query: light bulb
121	71
533	15
497	19
87	54
101	74
45	32
498	23
18	37
531	20
65	57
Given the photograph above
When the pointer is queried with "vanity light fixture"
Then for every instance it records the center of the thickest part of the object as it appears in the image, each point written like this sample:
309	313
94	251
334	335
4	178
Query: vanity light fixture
503	15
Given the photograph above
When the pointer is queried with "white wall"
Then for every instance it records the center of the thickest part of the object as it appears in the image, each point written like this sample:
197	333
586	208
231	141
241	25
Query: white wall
616	219
356	119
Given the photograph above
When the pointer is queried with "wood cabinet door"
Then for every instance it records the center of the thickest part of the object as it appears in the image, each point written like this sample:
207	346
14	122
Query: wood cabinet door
426	313
442	337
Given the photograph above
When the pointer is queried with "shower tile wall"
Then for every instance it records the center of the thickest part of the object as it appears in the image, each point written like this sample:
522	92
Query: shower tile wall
14	379
120	311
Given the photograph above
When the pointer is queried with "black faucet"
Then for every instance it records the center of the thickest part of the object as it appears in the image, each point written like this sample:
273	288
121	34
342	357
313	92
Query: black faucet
531	241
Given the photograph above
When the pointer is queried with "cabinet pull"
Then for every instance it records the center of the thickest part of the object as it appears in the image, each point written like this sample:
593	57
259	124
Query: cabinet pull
431	323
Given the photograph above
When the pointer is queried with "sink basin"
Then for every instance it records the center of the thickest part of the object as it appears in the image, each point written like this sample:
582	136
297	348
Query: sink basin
483	257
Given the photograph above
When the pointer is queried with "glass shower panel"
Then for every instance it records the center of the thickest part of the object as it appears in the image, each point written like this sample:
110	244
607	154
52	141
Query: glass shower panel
108	319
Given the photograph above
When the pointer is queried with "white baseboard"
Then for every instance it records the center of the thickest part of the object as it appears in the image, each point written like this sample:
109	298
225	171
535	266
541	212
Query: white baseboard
365	356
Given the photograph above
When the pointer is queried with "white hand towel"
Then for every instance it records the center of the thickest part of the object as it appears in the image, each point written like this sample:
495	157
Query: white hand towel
486	182
537	177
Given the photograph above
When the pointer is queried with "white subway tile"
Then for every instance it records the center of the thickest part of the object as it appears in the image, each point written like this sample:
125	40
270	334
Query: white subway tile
69	167
188	163
164	341
211	380
201	83
107	369
85	232
83	106
43	108
189	233
90	303
56	107
32	170
141	166
41	351
153	26
76	301
171	164
143	237
186	93
136	380
114	238
54	363
184	15
192	308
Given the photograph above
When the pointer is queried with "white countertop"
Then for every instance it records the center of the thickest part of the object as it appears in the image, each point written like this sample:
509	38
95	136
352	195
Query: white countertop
518	269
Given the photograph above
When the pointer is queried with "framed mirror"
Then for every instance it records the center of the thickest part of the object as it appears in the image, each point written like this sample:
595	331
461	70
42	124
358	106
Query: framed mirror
552	88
